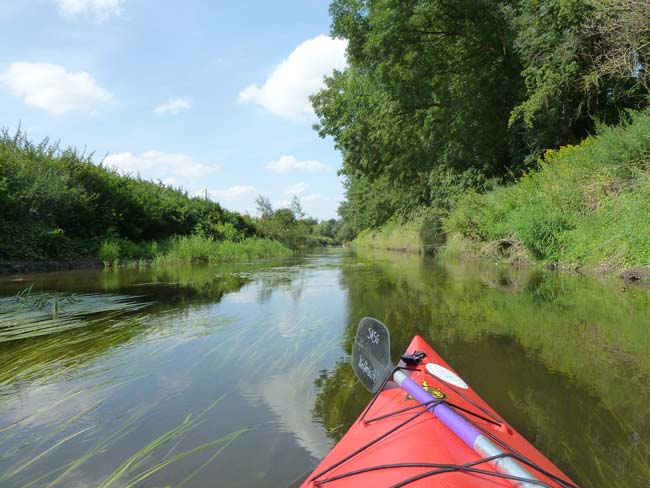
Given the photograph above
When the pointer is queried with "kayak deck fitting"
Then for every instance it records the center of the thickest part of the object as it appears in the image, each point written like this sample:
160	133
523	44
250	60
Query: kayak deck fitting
398	441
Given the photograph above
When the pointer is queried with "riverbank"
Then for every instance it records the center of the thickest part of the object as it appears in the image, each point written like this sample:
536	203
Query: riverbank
420	234
585	208
59	205
509	252
177	250
62	210
19	267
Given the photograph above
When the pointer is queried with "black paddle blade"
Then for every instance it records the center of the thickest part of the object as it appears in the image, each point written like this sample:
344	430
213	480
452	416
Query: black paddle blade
371	354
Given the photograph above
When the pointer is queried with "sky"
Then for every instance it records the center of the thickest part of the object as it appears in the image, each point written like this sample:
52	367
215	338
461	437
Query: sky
211	96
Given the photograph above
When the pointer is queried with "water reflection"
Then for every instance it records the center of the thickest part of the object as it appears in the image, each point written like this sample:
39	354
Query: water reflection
246	368
563	358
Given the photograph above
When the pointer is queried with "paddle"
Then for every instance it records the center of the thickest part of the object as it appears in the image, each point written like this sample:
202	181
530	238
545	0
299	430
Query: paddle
372	364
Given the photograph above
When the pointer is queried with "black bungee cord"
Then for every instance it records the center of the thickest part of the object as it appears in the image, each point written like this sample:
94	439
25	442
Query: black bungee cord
439	468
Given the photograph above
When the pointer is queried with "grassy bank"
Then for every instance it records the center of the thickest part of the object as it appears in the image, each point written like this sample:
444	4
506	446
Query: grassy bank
585	205
205	249
419	234
191	249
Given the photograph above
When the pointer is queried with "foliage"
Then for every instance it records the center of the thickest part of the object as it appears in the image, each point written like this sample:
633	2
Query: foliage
58	204
109	253
442	97
620	30
292	227
552	53
421	233
328	232
368	203
417	101
585	205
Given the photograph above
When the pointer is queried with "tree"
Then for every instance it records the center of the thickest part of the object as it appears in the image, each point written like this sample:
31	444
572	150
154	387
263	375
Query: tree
264	206
440	96
620	34
296	208
418	91
287	225
428	90
582	61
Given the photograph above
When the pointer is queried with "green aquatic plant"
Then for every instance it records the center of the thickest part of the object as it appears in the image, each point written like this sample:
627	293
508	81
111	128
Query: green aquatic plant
128	473
33	314
148	460
40	301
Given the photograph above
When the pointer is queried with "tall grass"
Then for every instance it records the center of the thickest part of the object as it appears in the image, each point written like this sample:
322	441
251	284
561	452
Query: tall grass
196	248
109	253
586	204
119	251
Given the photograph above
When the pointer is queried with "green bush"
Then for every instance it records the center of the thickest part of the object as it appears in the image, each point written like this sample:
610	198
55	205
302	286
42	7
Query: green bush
59	204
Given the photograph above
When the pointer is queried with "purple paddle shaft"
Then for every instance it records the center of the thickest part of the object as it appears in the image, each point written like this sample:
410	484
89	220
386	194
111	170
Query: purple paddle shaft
466	432
463	429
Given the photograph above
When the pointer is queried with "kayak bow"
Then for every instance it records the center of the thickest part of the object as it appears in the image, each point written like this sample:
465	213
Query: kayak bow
425	427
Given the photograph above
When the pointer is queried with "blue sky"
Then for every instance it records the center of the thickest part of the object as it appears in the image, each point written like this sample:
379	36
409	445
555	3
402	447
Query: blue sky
194	93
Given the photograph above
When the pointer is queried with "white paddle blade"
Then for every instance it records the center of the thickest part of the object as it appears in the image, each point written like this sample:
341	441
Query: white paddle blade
371	354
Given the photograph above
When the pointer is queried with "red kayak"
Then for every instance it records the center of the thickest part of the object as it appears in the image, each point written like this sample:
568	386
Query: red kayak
400	441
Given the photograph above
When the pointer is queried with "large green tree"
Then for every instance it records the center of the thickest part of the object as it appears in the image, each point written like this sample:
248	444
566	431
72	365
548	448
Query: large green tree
428	91
428	83
441	95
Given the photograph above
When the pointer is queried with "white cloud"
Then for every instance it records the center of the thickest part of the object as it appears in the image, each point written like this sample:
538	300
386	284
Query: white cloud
51	87
233	193
240	198
287	164
170	168
282	204
296	189
173	106
170	182
287	89
100	9
312	197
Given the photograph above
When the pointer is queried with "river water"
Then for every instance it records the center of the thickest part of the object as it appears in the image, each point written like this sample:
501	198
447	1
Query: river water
239	376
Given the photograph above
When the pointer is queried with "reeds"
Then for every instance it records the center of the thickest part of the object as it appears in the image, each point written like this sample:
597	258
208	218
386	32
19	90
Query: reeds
29	315
197	248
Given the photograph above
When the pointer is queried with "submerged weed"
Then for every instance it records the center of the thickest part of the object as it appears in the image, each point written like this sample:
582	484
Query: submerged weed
31	314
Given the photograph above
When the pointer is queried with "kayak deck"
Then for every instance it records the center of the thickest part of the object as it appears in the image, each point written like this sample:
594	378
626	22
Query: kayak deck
396	442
